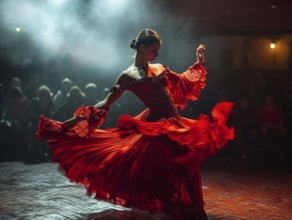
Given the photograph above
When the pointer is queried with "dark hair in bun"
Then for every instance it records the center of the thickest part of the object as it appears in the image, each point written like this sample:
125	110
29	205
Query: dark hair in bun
145	37
133	44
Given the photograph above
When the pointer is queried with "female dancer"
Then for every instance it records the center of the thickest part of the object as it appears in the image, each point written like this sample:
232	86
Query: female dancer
150	161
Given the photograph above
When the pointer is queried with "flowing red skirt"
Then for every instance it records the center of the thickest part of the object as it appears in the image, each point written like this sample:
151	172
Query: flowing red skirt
147	165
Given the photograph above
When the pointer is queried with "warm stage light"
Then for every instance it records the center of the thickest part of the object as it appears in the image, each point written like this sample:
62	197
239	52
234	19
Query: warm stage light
272	45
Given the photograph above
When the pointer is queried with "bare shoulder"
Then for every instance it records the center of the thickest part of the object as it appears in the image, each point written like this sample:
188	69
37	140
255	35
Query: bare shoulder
157	68
125	77
156	65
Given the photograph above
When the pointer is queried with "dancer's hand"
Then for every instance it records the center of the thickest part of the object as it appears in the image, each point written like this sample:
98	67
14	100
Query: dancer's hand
200	54
73	121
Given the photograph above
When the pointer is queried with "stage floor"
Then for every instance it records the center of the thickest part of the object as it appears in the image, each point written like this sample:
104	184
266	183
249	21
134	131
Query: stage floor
39	191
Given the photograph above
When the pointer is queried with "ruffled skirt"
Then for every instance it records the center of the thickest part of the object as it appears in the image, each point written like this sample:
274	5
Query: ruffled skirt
147	165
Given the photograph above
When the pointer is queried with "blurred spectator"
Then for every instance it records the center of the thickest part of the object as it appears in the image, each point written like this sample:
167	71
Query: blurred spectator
91	94
245	123
16	106
4	139
288	112
271	119
251	89
1	100
31	85
75	99
14	123
42	104
60	97
16	82
274	87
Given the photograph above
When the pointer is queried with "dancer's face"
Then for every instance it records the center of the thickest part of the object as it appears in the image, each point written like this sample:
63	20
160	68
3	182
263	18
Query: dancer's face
150	53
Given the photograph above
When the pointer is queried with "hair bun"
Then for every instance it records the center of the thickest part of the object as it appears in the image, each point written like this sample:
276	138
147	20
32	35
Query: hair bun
133	44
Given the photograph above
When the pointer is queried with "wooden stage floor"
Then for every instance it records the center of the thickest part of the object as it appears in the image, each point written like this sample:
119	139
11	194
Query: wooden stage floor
39	191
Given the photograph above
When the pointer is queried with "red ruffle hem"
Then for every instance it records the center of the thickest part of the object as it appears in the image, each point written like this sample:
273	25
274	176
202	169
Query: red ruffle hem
138	164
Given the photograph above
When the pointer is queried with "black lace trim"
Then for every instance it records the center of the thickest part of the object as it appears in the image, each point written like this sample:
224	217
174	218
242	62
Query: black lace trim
143	79
166	96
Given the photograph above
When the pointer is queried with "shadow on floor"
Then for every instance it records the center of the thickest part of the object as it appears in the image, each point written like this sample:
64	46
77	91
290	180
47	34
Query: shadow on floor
113	214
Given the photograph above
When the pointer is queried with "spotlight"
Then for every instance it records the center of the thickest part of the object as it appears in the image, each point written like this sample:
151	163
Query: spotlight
17	29
273	6
273	45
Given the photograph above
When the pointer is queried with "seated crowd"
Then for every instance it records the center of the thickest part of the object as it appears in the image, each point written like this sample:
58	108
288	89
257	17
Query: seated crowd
262	121
20	115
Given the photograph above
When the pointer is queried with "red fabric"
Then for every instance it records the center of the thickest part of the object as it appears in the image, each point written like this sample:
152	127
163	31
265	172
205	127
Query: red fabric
142	164
94	118
133	165
186	86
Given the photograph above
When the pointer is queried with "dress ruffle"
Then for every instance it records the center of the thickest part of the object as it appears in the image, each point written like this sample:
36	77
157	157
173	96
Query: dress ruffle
186	86
92	116
138	164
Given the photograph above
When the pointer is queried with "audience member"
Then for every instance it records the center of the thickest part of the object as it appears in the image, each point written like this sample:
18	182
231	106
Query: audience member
75	99
16	106
42	104
91	94
15	117
271	119
288	112
1	100
3	128
31	85
60	97
16	82
245	123
276	89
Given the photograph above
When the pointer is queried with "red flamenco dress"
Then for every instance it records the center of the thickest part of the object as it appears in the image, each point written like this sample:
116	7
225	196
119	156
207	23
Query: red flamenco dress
150	161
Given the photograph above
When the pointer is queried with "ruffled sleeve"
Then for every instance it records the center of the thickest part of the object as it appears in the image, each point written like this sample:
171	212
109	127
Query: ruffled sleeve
186	86
94	118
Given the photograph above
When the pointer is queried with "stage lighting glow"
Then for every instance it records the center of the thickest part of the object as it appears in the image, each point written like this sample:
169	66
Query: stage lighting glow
57	3
115	2
272	45
17	29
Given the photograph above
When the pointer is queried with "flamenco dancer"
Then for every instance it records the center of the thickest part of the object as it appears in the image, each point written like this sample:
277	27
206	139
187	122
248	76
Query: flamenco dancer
150	161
